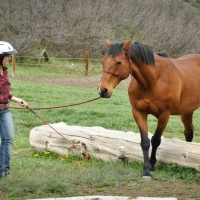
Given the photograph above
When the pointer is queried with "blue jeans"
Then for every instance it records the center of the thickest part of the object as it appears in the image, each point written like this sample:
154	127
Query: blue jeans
7	136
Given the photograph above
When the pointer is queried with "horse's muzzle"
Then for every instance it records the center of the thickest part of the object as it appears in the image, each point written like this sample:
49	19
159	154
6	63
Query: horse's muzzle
104	93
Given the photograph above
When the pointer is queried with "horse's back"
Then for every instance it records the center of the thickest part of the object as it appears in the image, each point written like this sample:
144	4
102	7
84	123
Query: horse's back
188	63
188	67
189	56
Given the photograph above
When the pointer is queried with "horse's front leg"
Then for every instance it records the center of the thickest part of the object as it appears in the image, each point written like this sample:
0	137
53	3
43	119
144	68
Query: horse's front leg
141	120
156	138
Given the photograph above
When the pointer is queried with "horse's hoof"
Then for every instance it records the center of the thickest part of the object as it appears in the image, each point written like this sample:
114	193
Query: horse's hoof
146	178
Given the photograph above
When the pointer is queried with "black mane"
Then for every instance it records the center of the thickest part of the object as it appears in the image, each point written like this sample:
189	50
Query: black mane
115	49
140	52
162	54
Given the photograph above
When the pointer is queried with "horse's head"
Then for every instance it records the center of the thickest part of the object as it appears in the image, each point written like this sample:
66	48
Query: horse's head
116	67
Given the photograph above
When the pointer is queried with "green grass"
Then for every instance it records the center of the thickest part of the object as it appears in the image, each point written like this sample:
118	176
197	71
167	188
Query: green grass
56	68
50	175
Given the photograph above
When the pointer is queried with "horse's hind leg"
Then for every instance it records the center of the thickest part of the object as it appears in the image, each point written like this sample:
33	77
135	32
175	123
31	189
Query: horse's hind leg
187	122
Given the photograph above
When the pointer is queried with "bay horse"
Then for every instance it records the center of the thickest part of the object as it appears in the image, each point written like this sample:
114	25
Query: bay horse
160	86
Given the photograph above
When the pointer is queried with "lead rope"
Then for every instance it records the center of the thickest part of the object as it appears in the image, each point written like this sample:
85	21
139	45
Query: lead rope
86	156
53	107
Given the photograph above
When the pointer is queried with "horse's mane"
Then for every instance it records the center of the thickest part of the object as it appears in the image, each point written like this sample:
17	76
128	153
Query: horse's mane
162	54
140	51
143	53
115	49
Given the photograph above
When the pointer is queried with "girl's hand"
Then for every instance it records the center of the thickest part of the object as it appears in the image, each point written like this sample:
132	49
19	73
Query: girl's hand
22	103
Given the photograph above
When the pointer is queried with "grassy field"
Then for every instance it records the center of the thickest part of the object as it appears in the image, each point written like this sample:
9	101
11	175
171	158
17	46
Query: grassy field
35	174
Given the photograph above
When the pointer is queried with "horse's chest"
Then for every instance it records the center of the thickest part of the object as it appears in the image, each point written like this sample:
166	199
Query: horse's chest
146	105
151	102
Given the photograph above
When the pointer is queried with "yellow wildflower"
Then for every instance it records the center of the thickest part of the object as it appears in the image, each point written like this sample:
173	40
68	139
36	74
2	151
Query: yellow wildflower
61	158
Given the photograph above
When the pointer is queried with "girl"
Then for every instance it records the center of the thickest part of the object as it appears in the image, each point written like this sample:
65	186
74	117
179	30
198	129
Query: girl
6	119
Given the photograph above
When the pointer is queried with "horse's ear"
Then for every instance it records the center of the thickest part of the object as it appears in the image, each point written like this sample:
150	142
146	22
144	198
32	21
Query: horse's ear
107	43
127	44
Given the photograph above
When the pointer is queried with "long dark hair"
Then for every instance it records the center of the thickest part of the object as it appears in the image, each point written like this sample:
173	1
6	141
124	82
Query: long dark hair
140	51
1	62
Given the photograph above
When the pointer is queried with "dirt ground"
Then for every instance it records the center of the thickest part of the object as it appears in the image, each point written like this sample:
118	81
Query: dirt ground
153	188
86	82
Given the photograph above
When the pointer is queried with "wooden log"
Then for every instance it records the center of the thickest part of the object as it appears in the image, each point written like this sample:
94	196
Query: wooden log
111	145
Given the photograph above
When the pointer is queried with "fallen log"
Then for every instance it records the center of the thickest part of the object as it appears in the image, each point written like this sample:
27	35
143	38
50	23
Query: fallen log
110	145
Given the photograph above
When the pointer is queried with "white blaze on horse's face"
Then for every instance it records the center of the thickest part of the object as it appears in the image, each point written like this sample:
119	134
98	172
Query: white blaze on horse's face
99	87
109	78
115	68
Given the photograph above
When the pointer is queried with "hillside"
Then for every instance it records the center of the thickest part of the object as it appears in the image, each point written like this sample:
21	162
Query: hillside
70	27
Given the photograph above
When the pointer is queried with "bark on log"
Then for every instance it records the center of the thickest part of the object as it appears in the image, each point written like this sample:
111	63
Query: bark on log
110	145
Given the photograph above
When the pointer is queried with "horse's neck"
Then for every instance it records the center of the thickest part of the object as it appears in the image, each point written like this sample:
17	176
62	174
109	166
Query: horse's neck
144	75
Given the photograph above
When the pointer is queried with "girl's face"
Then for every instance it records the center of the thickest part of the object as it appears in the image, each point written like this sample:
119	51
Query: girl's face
6	59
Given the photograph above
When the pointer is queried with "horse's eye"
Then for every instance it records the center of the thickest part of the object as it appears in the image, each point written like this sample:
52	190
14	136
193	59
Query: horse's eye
118	63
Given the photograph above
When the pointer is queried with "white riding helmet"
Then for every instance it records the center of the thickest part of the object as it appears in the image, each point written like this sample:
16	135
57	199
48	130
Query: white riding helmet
6	48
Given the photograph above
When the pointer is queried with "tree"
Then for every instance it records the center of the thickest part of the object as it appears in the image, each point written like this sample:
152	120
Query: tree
70	27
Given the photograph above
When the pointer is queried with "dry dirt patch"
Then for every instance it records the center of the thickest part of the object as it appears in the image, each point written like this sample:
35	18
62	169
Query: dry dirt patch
86	82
